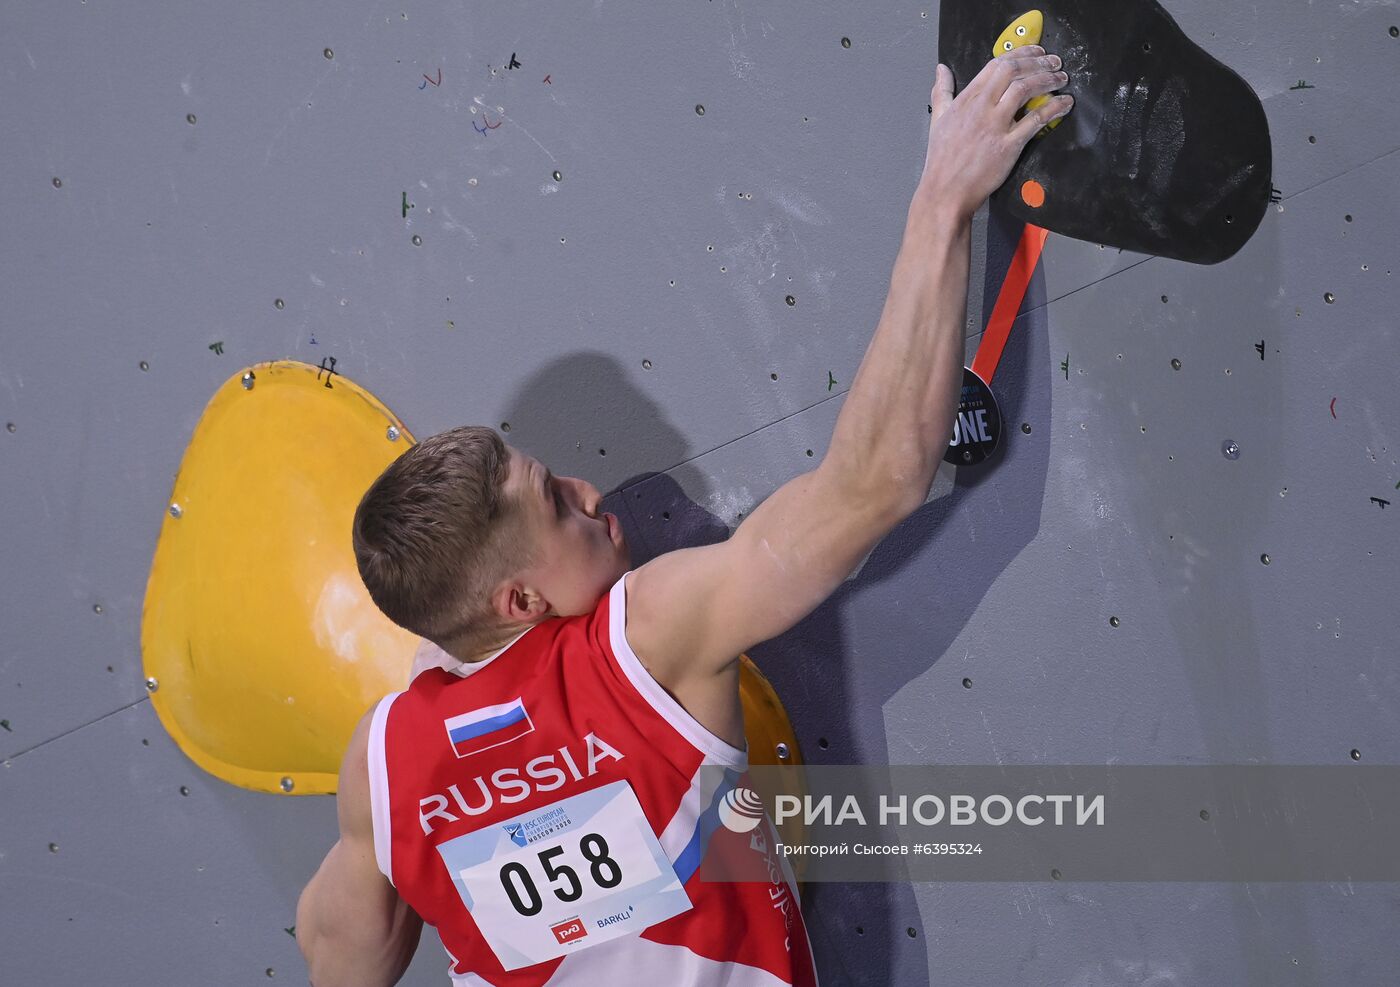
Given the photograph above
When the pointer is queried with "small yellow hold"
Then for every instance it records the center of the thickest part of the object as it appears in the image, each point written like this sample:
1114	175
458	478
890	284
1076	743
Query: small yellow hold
1025	30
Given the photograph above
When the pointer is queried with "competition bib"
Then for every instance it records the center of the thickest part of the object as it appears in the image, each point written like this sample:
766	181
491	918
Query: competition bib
564	877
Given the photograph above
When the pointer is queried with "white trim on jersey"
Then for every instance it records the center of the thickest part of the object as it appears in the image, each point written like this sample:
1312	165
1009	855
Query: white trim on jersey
379	787
715	750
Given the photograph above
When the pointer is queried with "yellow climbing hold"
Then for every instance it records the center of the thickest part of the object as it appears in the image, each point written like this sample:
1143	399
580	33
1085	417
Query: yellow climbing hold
263	643
771	741
1025	30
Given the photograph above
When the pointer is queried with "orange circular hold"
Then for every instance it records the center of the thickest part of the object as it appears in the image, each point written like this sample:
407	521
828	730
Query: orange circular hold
1033	194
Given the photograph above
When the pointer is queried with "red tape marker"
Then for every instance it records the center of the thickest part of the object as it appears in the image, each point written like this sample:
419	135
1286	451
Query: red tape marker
1013	290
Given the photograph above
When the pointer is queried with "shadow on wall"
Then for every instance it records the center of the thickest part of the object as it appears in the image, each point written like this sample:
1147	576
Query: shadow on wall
930	573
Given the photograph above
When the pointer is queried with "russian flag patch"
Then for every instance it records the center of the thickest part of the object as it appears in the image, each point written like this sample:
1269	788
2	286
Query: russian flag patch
490	726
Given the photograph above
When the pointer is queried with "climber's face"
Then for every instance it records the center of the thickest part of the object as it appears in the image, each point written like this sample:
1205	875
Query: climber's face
581	553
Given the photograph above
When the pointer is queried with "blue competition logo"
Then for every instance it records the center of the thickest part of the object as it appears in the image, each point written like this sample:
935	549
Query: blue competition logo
516	832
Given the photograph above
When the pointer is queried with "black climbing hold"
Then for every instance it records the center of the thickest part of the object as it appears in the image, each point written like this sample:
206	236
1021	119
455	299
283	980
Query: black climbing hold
1159	148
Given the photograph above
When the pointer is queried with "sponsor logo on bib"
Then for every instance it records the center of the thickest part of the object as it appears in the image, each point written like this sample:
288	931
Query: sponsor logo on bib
568	931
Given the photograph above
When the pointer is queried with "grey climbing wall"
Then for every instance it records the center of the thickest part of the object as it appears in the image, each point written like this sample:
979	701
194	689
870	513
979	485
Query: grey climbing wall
518	213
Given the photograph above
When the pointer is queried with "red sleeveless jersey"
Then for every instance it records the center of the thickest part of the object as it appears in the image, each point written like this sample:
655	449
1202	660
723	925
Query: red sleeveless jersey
547	811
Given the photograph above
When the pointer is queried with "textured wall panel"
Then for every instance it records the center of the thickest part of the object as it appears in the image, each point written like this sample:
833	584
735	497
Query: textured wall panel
190	190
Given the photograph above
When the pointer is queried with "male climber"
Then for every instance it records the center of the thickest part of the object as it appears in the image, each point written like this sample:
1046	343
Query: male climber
538	799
